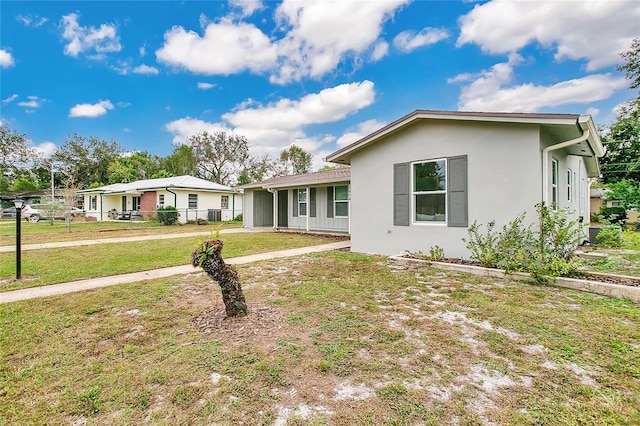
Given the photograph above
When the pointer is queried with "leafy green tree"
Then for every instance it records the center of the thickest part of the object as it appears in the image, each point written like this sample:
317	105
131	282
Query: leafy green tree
631	66
24	184
296	160
622	140
257	169
16	157
86	160
137	166
180	162
626	192
220	157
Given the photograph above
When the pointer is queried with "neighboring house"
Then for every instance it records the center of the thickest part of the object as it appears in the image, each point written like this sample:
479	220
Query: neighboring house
422	180
33	197
310	202
194	198
597	199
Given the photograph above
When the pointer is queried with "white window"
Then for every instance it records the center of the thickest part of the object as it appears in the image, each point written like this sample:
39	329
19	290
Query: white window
93	202
341	201
224	202
193	201
569	185
554	184
429	191
302	202
161	200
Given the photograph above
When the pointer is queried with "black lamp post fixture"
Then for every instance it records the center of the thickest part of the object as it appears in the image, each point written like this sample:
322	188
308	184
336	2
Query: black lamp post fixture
18	203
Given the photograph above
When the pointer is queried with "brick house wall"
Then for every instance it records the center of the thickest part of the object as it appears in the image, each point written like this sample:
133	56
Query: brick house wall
148	205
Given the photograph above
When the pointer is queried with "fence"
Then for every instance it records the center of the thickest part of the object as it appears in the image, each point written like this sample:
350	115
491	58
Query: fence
184	215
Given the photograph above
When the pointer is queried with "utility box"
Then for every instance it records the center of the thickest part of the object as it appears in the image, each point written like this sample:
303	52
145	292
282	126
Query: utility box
594	231
214	215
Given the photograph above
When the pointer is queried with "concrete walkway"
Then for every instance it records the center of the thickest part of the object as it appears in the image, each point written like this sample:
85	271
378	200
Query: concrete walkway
125	239
63	288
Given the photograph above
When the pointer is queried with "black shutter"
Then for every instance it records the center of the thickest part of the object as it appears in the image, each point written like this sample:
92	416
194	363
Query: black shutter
401	193
457	191
295	203
312	202
330	201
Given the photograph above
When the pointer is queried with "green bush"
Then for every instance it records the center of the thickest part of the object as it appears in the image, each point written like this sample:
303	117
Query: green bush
546	252
238	218
613	215
167	215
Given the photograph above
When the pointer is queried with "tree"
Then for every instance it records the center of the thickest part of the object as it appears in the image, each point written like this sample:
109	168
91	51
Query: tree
220	157
257	169
296	160
632	63
622	140
86	160
180	162
15	157
137	166
627	193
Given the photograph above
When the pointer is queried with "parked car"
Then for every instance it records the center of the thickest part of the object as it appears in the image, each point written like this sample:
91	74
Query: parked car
8	213
33	213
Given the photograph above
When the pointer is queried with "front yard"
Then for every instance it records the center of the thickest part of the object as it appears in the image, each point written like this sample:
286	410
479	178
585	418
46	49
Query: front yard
335	338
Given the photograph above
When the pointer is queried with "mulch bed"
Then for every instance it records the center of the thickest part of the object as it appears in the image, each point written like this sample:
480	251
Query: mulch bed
591	276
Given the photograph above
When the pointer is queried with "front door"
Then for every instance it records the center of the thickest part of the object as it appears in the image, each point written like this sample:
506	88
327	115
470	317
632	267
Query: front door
283	208
124	203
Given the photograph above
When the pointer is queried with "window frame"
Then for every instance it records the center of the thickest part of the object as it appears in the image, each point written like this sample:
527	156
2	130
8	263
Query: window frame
336	201
413	193
301	203
569	185
192	201
161	200
93	202
554	185
224	202
136	203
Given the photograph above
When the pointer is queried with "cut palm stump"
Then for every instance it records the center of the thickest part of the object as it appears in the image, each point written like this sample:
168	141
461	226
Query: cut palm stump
208	256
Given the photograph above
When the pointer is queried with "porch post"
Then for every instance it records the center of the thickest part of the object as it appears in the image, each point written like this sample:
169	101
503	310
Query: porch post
308	207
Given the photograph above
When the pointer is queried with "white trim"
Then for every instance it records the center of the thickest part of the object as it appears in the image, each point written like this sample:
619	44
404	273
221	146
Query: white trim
554	186
335	201
412	194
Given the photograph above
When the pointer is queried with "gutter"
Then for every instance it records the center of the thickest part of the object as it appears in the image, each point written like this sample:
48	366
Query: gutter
545	160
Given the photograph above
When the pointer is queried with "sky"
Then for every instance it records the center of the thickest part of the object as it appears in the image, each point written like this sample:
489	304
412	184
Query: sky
317	74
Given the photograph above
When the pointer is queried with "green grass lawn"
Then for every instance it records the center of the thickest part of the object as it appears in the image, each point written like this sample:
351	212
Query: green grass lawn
45	231
624	260
331	339
50	266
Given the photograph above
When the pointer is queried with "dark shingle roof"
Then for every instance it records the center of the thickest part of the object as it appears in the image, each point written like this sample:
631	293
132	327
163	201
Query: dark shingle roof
315	178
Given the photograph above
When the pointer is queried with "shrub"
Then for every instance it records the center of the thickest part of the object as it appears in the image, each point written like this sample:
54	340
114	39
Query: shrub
167	215
547	252
238	218
613	215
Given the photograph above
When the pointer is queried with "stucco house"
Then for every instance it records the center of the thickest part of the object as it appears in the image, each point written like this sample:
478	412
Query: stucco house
308	202
194	198
422	180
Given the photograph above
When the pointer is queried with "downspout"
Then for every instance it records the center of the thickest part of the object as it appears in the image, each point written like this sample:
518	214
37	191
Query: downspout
101	207
275	207
545	160
175	200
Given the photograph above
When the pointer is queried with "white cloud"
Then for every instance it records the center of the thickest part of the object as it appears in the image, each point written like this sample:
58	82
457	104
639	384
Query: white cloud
123	104
593	30
248	7
465	76
380	51
45	149
83	39
361	130
273	127
10	99
145	69
205	86
6	59
142	50
489	92
29	104
91	110
33	21
320	34
409	40
225	48
593	111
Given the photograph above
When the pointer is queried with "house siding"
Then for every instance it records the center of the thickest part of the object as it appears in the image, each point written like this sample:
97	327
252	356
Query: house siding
503	173
320	222
148	205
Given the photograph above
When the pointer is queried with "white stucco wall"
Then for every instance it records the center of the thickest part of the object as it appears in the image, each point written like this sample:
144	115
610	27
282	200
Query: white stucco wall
504	180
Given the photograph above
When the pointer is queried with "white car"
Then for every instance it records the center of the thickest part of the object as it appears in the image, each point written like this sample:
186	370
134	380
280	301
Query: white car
33	213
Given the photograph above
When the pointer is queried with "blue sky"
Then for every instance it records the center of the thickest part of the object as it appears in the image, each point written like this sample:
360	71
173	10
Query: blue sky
319	74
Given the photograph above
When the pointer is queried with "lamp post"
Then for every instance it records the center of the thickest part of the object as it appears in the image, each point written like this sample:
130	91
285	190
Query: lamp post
18	203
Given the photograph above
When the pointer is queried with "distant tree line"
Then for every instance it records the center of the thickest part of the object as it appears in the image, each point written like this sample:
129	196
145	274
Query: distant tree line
88	162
